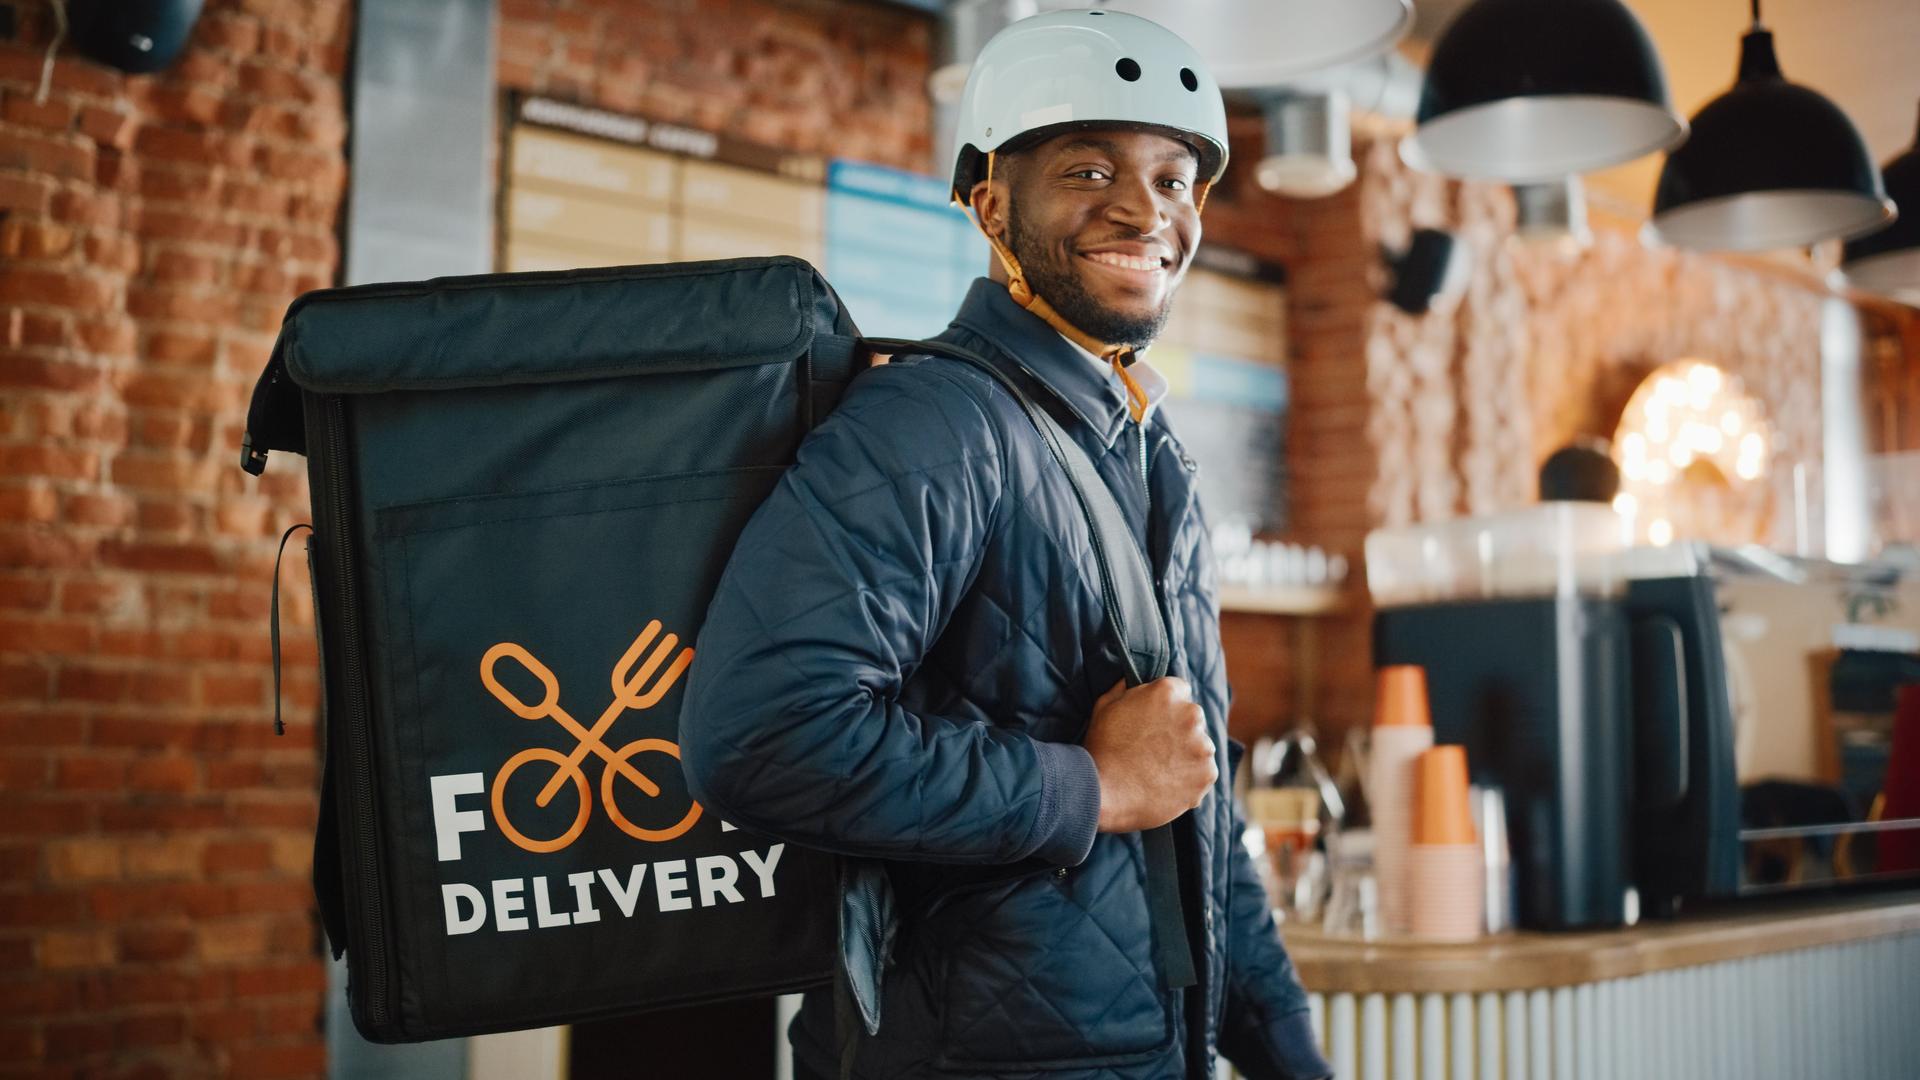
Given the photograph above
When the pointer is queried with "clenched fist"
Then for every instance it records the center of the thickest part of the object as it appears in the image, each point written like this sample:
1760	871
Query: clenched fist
1150	746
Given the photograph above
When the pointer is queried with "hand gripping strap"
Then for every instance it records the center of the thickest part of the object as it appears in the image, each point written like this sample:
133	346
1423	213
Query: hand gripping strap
1133	615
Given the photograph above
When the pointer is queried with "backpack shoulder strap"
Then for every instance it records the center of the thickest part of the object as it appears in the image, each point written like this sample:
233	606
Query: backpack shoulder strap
1133	616
1133	607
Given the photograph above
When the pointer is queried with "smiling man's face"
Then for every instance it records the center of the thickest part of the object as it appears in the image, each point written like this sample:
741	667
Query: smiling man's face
1103	224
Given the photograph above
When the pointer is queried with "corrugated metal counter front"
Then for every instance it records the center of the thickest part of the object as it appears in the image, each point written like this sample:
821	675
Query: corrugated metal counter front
1788	989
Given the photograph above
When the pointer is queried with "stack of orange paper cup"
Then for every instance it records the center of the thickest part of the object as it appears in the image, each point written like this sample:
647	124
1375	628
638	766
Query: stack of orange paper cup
1444	876
1402	731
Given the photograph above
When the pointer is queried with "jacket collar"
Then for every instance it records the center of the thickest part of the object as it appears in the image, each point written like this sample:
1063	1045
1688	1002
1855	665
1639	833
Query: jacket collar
991	313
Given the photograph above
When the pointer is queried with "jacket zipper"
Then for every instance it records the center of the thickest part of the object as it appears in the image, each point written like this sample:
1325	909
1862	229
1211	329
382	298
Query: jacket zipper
366	830
1146	489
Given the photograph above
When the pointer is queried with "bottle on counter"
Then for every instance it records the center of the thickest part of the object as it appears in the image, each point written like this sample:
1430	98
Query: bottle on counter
1353	900
1496	860
1296	806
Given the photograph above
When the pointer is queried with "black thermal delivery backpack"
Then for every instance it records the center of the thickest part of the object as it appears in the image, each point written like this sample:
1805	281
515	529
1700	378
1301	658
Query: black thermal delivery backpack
525	487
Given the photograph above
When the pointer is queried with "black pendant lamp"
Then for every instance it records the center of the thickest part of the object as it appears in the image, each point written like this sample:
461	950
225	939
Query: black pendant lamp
1888	261
1531	90
1770	164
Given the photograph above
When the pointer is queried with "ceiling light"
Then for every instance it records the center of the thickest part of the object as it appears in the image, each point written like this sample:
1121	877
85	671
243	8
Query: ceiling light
1770	164
1552	212
1888	261
1254	43
1531	90
1309	146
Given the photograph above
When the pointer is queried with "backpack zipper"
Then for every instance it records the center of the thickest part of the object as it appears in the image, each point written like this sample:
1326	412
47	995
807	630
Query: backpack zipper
366	829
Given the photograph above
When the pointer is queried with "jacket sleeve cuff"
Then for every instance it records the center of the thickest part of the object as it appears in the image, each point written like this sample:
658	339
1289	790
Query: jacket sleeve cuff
1069	804
1296	1050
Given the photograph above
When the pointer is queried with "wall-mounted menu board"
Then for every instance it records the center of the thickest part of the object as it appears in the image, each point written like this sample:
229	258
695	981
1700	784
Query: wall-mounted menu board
585	187
898	251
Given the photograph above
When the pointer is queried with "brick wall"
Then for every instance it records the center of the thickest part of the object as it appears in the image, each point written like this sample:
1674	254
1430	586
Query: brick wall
154	835
1329	464
837	77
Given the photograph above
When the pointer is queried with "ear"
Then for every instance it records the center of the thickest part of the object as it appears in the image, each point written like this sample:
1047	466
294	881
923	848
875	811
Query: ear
989	201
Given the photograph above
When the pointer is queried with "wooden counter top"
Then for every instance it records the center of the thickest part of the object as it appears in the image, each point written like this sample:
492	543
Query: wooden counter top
1529	961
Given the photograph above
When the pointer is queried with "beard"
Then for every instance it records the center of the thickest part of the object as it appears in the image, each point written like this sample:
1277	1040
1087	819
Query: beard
1054	279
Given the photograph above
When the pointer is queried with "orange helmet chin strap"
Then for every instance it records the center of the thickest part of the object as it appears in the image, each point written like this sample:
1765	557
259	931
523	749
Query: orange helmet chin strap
1118	356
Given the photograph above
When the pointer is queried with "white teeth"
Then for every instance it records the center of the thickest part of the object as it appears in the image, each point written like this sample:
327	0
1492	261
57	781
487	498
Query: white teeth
1127	262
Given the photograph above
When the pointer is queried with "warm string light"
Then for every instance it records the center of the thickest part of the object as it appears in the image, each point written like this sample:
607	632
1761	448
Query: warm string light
1687	422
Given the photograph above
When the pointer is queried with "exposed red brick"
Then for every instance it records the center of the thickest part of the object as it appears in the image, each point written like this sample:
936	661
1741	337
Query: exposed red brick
25	592
89	210
107	337
105	511
117	253
109	127
272	979
29	502
28	239
60	156
224	1025
151	1030
172	775
70	1040
19	1042
54	114
227	857
229	33
89	774
33	635
164	558
55	288
272	1062
156	944
39	547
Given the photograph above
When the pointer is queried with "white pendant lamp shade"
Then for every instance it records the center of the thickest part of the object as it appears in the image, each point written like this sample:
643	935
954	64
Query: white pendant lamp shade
1252	43
1552	213
1531	90
1309	146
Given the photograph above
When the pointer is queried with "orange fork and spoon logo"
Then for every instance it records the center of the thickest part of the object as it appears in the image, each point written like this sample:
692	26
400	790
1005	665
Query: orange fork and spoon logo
633	690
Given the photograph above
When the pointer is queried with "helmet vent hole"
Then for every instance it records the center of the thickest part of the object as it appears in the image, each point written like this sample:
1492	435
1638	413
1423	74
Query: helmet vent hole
1189	80
1128	69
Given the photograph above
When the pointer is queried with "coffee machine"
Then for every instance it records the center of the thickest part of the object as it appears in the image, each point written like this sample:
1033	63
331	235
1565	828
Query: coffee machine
1519	623
1595	683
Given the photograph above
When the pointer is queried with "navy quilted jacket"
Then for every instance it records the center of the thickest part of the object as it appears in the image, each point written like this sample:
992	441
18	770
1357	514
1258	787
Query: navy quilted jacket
898	666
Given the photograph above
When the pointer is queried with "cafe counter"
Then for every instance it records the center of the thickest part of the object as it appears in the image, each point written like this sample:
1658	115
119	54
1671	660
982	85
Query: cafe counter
1789	988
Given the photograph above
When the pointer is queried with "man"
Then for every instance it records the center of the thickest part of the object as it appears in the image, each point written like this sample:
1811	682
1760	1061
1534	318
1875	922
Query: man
908	662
